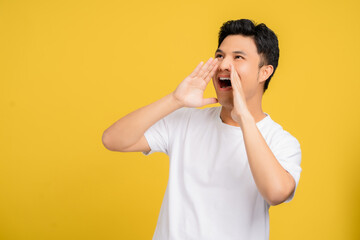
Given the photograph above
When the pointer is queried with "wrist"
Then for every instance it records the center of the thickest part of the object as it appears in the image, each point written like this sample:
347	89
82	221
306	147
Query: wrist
175	101
246	119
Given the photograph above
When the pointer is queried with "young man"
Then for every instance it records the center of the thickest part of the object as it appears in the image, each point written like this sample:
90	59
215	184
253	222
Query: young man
228	164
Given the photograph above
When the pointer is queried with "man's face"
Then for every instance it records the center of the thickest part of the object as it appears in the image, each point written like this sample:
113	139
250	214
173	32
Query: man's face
240	51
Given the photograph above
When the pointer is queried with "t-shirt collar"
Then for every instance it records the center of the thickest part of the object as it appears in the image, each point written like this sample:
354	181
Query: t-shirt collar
223	125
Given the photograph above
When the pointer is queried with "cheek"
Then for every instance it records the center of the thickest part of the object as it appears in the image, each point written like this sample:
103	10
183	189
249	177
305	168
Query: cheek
243	71
246	70
248	76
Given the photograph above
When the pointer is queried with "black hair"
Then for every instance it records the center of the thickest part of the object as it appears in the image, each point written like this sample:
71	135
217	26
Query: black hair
265	40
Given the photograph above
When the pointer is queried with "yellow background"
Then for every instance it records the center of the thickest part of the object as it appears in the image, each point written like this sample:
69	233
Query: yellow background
70	69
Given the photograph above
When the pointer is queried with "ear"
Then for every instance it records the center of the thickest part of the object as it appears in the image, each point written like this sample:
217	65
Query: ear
265	72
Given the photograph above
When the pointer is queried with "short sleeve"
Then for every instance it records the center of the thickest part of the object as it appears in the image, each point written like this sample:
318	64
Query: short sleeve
288	153
157	137
160	135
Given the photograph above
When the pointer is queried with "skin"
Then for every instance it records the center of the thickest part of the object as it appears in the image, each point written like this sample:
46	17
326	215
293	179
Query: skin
237	58
242	107
245	60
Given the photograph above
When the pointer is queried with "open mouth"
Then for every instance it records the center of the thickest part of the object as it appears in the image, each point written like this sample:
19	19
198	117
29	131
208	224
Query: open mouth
224	82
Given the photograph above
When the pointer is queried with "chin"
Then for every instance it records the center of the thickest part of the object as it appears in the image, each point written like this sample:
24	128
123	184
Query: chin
226	102
225	98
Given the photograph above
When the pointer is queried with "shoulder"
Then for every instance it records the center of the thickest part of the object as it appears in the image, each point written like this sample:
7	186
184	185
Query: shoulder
205	112
192	113
276	135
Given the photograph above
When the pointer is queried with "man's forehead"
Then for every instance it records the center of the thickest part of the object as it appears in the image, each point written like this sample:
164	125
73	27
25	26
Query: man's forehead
238	44
236	51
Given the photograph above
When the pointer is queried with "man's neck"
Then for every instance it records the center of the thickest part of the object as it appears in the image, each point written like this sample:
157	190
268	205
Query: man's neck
254	108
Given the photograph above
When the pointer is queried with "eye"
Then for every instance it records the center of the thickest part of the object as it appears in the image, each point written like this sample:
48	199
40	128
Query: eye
218	55
239	57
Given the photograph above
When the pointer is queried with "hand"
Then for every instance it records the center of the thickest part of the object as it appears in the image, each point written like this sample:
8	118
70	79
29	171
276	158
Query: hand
240	108
190	92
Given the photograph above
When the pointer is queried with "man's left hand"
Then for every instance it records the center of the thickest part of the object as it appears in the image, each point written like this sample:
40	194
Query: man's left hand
240	108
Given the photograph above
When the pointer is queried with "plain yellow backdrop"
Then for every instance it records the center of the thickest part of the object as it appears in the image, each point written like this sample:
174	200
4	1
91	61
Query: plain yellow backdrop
70	69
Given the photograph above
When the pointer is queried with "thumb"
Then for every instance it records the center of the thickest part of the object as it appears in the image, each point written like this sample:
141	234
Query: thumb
207	101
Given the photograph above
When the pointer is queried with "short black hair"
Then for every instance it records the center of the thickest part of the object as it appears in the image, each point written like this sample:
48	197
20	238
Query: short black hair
265	40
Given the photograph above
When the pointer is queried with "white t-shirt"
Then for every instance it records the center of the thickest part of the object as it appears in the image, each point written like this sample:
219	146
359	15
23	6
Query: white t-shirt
211	193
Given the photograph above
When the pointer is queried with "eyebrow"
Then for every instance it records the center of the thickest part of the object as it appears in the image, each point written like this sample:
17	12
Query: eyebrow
240	52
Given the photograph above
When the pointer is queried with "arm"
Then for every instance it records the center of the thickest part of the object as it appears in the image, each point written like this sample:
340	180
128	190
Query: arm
272	180
127	134
274	183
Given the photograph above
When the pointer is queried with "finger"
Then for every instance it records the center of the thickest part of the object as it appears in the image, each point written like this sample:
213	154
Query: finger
207	101
204	68
196	70
210	68
211	74
234	78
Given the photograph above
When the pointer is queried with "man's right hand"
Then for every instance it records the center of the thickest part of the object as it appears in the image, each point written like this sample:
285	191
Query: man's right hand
127	134
190	92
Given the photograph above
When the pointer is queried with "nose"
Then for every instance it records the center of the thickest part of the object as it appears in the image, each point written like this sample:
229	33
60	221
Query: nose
225	65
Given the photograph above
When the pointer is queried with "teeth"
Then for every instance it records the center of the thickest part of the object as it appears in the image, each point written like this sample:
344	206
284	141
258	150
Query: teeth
223	79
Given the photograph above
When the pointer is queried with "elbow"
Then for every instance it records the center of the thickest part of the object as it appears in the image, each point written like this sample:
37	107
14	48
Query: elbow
106	141
275	199
279	195
281	191
111	144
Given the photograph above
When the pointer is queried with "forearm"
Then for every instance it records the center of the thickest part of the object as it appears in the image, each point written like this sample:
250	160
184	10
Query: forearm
272	180
128	130
127	134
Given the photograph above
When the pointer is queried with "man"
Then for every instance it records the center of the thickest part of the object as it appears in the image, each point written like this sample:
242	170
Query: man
228	164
